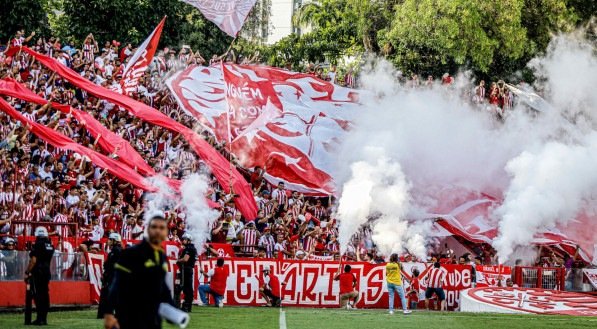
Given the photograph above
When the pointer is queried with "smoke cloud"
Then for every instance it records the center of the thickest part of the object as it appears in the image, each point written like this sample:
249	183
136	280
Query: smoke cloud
431	141
553	185
376	187
157	202
199	215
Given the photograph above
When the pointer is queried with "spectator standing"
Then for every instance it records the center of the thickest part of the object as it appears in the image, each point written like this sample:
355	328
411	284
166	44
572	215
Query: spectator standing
394	284
139	285
435	285
115	244
38	274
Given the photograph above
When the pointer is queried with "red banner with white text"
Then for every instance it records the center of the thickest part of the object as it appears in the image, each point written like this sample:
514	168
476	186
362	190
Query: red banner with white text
311	284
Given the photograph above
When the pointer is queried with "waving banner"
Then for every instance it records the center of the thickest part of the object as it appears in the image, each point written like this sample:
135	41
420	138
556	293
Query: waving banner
228	15
201	93
288	122
140	60
468	215
109	141
58	140
229	178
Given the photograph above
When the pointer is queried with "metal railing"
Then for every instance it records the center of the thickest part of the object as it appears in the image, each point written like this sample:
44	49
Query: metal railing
551	278
64	266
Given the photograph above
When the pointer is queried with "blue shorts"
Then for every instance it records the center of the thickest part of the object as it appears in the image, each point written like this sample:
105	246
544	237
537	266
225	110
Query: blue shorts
438	291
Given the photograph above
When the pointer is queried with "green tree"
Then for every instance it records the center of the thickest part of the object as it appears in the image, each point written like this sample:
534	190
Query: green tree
331	32
444	33
132	20
22	14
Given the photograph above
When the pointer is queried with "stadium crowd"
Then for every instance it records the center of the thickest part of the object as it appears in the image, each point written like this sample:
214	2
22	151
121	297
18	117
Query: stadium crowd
43	185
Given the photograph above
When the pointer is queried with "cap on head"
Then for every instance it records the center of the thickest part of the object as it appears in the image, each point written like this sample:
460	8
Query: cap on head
187	236
41	232
115	236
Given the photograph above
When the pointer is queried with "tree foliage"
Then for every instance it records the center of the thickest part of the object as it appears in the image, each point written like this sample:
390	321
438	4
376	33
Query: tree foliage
492	38
132	20
22	14
432	36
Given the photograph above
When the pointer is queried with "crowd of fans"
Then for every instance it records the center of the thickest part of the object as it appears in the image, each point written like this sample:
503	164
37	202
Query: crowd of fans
43	185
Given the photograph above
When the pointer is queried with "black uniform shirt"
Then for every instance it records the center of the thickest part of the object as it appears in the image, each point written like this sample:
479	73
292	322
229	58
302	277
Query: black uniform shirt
43	252
139	287
113	257
190	250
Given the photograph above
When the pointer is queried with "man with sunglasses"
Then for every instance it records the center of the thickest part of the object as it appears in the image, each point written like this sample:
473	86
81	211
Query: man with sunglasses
139	287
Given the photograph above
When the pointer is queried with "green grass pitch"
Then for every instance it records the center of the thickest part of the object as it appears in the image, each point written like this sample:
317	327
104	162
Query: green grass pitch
303	318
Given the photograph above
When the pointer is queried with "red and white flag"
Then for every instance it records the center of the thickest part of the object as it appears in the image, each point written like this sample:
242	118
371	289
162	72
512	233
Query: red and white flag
468	215
287	122
228	15
140	60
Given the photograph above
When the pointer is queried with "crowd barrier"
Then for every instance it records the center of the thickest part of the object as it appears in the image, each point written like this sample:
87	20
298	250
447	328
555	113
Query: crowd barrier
551	278
311	284
306	283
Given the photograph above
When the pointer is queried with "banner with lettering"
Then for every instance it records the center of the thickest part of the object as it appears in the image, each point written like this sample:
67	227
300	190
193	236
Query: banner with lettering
311	284
489	276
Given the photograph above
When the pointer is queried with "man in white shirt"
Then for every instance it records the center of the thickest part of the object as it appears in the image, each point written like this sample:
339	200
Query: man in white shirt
72	198
89	189
46	172
97	233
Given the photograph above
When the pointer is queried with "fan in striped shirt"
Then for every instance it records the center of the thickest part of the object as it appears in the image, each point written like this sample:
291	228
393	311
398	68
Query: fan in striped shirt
267	241
435	284
63	230
248	238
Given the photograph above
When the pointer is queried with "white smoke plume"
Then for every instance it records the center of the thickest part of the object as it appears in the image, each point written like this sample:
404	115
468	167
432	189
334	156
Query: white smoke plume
548	187
157	202
441	143
199	216
377	188
552	185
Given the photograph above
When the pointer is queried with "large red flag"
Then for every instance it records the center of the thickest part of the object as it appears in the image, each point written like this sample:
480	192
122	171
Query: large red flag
58	140
109	141
219	166
140	60
228	15
288	122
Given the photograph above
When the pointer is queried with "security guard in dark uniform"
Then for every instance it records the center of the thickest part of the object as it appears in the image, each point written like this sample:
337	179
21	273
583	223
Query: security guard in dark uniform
186	265
38	274
115	243
139	285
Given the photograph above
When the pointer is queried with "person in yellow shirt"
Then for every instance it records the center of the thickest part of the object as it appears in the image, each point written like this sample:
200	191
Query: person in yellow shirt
394	283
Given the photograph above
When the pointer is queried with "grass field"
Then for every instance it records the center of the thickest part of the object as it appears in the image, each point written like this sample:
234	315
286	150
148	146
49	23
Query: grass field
256	318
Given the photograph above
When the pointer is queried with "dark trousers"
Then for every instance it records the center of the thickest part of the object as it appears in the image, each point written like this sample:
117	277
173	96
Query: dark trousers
275	300
42	296
187	288
101	309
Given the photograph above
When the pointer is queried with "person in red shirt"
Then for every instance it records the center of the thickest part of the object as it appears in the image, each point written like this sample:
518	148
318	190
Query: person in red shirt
412	293
217	285
348	283
270	288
